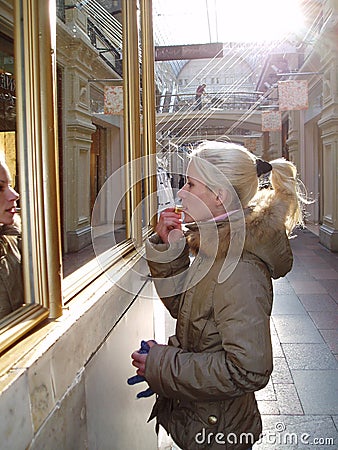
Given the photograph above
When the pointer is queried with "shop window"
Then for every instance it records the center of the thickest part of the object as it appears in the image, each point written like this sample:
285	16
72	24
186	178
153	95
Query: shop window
20	308
101	211
65	139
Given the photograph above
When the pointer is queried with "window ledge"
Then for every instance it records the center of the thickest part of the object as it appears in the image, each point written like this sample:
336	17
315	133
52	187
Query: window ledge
85	323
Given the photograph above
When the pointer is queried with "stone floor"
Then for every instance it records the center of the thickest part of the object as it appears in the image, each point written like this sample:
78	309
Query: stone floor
299	406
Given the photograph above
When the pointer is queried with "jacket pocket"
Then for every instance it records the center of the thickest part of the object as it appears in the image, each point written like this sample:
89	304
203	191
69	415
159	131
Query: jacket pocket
194	425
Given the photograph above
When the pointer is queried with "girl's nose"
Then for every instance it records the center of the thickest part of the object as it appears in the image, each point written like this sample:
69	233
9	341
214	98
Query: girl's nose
12	194
181	193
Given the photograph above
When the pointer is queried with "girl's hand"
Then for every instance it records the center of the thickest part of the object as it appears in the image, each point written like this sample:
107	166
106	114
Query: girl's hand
139	359
169	221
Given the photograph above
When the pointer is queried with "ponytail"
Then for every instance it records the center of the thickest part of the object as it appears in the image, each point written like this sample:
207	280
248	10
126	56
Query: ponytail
286	185
219	161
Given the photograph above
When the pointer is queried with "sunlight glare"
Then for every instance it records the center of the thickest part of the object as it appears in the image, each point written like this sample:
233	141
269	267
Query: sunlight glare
189	21
260	20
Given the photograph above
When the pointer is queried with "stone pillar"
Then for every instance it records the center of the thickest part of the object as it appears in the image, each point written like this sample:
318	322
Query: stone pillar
76	157
328	232
265	145
275	145
293	140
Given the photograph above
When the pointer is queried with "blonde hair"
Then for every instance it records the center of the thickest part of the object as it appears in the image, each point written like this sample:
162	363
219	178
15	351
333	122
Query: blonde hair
285	184
219	162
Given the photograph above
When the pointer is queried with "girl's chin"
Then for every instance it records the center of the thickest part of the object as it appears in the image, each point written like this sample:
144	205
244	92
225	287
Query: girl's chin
187	218
7	220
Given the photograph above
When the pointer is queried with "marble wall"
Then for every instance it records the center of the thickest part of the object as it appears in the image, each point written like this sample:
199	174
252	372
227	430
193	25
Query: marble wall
70	391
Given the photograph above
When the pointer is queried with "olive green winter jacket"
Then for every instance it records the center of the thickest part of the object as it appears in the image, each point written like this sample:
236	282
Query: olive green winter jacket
221	353
11	282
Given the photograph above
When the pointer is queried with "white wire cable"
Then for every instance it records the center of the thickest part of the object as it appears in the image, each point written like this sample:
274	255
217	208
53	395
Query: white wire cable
192	124
202	118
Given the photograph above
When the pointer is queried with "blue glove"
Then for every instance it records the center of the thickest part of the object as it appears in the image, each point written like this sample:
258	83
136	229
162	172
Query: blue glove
138	378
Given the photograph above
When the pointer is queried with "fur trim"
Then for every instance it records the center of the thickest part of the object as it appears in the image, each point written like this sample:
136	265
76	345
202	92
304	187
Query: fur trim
12	230
262	220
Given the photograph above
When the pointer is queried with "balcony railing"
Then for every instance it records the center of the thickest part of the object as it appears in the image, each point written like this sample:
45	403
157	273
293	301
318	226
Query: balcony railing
218	101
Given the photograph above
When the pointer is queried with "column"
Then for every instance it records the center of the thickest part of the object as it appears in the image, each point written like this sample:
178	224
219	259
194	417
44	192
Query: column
328	232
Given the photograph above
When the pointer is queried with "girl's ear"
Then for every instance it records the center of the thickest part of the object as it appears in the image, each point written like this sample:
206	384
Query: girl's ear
223	199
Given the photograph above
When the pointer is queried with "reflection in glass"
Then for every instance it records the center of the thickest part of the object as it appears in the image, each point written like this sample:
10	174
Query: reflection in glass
91	137
7	103
11	284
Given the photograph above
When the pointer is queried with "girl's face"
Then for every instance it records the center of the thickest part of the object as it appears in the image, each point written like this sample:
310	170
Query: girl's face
199	202
8	198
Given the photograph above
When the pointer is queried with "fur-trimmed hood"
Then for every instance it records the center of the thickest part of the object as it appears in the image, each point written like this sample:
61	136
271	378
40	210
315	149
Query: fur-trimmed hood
10	237
12	230
259	229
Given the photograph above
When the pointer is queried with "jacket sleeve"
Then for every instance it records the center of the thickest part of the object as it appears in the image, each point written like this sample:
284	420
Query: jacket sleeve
244	361
168	265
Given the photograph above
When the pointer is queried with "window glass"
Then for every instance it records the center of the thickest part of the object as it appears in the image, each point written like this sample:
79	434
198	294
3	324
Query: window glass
71	133
7	105
25	218
91	129
11	281
7	102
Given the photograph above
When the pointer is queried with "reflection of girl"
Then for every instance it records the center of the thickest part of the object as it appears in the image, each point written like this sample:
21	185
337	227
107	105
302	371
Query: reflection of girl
221	352
11	286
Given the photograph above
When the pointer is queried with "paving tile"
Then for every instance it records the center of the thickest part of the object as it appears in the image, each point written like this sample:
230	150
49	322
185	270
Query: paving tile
317	302
315	389
318	248
296	329
303	252
334	295
268	407
297	433
288	400
331	286
313	262
287	304
332	260
281	372
335	421
267	393
324	274
273	330
309	356
282	287
325	320
331	339
330	257
299	275
277	350
308	287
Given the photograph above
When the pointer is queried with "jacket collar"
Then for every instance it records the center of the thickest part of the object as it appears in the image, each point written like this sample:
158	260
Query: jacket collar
255	230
